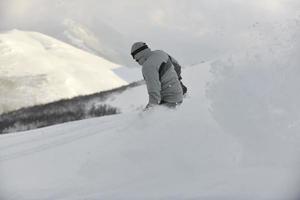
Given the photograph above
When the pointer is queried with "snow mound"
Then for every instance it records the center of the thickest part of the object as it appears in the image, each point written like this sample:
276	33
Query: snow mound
35	69
160	154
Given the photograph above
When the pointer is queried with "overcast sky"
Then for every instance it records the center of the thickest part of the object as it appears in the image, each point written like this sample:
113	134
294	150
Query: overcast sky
190	30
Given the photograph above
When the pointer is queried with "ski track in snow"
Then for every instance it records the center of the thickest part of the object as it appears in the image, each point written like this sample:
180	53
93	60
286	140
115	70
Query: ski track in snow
53	140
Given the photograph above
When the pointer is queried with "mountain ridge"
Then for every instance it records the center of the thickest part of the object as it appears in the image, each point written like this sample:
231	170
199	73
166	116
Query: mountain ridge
62	70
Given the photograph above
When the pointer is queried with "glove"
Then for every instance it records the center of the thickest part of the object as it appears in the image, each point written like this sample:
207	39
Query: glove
149	106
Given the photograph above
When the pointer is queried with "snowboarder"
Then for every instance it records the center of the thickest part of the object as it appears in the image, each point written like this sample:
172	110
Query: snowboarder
162	75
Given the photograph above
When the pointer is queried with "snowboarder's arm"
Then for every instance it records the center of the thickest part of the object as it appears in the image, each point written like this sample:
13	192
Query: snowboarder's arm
151	77
177	67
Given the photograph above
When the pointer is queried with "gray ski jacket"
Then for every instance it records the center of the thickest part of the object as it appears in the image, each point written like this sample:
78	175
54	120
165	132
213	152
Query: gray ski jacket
168	89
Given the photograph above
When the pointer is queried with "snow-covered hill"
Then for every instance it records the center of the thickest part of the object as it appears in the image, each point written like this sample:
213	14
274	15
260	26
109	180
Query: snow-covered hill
160	154
35	68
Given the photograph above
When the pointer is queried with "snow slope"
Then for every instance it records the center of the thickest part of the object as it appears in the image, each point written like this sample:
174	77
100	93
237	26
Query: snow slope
35	68
160	154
